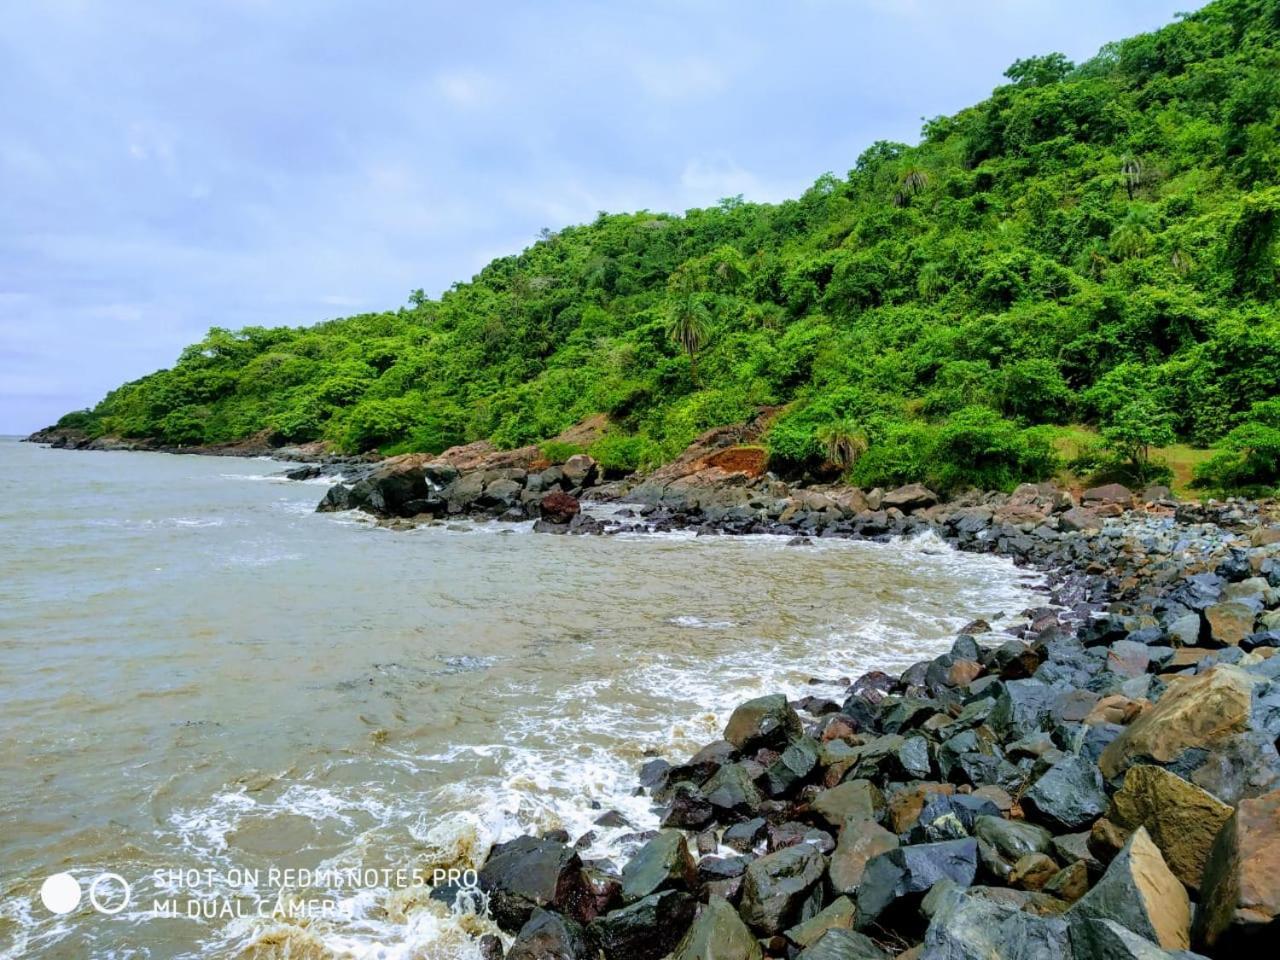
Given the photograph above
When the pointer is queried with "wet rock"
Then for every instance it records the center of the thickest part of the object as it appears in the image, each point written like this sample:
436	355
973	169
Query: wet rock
336	499
530	872
893	882
1240	892
661	864
859	841
1069	796
558	507
689	809
653	774
763	722
647	929
950	817
732	792
909	498
843	945
1194	714
794	765
718	934
549	936
1141	893
854	799
1182	819
782	889
490	947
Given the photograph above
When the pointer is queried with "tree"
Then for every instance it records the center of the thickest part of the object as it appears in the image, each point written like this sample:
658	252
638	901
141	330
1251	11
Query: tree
1133	430
689	327
1039	71
1133	172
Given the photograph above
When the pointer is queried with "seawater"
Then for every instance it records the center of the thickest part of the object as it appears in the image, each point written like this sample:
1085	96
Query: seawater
203	681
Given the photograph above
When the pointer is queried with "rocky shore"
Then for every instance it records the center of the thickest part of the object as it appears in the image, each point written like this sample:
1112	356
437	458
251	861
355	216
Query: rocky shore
1104	783
1100	782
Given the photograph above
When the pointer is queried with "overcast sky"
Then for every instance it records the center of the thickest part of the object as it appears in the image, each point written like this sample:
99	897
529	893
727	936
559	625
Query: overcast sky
167	167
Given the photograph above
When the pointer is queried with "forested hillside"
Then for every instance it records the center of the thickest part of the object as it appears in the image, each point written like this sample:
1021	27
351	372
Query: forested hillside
1095	243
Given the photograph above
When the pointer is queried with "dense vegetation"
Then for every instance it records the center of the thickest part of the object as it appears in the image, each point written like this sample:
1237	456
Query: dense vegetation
1095	243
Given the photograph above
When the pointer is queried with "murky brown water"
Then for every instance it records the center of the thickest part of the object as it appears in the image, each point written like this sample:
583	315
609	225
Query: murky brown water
198	673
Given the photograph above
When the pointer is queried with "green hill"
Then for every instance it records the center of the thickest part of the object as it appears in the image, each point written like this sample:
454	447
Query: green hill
1094	243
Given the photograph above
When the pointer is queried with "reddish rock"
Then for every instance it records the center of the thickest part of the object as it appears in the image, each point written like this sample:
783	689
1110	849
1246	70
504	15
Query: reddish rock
558	507
1241	896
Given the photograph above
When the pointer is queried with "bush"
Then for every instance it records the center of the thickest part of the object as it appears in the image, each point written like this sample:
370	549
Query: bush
558	451
619	454
976	447
1130	433
1250	460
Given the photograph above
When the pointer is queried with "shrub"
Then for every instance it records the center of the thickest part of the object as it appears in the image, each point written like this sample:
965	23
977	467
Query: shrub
1130	433
976	447
619	454
1250	459
558	451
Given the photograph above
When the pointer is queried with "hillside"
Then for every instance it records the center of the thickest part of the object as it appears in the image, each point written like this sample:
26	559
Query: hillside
1095	243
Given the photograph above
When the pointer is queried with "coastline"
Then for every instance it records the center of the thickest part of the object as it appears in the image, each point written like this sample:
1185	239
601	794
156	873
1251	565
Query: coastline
987	798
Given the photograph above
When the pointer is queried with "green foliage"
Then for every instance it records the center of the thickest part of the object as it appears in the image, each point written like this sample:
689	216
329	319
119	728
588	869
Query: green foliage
558	451
1250	460
1093	242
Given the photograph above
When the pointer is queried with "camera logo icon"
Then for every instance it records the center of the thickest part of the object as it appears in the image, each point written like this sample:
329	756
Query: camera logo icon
109	893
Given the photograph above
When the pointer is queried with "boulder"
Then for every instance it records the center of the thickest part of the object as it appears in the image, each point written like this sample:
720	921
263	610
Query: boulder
841	944
1182	819
853	799
1068	796
558	507
1229	622
894	882
661	864
549	936
860	840
1108	493
1033	871
647	929
1078	519
765	721
579	470
1108	940
782	888
1140	892
530	872
969	926
837	915
732	791
689	809
718	934
1194	714
1012	839
1240	892
909	498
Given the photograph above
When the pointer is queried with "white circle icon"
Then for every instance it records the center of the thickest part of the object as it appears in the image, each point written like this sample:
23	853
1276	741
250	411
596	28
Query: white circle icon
60	893
106	880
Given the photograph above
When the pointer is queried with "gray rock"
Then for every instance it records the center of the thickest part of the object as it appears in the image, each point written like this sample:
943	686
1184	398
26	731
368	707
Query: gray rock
783	888
718	934
843	945
1108	940
763	722
1069	796
894	882
549	936
970	927
661	864
530	872
647	929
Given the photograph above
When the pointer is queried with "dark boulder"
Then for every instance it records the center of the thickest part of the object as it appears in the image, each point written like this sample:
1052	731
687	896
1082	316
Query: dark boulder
647	929
661	864
718	934
894	882
765	721
969	926
549	936
530	872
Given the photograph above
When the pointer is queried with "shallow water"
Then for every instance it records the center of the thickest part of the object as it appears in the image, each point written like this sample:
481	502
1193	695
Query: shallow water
199	673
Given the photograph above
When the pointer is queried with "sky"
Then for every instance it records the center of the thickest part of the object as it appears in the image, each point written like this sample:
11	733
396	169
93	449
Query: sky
168	167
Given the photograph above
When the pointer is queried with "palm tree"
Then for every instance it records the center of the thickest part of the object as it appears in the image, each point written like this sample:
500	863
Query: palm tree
689	327
1132	236
1133	172
842	443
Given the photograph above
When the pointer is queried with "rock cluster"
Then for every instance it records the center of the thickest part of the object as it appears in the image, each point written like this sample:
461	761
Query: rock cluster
1103	782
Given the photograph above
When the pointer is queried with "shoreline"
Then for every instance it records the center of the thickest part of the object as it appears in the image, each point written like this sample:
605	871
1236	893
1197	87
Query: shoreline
1082	787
